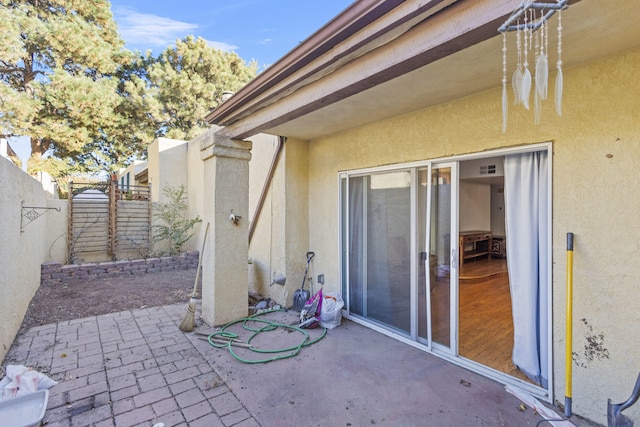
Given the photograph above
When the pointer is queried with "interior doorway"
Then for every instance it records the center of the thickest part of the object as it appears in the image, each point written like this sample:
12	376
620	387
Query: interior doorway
485	318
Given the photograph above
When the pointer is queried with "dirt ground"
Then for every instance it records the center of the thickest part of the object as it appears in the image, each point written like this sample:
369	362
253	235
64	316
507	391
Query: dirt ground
56	303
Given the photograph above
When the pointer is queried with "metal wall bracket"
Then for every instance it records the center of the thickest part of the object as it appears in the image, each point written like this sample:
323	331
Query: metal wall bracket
31	213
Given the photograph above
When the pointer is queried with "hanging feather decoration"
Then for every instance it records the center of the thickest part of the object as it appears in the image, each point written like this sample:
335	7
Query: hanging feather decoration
559	92
504	83
537	105
542	65
559	66
518	75
526	37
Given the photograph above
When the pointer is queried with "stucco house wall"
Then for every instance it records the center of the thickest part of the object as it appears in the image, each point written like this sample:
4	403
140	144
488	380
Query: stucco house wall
167	166
167	159
295	222
176	162
22	253
266	256
596	155
280	242
195	190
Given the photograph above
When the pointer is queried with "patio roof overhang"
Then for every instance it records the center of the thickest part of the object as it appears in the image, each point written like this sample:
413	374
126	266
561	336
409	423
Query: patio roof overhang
384	58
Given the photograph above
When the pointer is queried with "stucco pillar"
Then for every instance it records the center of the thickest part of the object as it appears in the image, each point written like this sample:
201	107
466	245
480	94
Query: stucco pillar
225	282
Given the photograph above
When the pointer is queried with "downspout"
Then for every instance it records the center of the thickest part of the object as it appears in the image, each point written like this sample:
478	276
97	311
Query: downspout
267	184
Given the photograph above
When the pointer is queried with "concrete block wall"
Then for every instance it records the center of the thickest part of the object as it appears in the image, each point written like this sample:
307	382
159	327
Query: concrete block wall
53	273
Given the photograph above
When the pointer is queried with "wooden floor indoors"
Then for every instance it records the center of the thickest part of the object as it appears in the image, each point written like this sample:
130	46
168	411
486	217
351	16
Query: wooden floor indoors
485	333
483	270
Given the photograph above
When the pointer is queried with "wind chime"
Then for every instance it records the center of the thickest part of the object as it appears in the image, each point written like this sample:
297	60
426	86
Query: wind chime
525	21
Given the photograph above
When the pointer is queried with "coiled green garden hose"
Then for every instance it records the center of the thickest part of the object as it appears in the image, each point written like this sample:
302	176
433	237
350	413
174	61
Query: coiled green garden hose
269	326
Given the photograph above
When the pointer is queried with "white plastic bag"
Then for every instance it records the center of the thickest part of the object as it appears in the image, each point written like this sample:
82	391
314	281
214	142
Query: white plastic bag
331	313
21	380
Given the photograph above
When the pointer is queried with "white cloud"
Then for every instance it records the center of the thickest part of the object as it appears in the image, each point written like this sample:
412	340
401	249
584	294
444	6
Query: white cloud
145	30
265	41
226	47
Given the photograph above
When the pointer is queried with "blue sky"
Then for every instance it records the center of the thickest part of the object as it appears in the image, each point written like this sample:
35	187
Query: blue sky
264	30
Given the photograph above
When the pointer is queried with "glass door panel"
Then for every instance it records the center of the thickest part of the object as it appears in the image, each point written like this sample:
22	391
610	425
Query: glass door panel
379	248
425	272
440	255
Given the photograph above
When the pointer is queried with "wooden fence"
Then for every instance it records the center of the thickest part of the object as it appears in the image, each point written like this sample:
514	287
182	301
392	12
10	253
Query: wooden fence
108	222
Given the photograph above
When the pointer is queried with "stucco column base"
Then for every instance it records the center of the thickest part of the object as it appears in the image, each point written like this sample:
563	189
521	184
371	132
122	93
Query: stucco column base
225	282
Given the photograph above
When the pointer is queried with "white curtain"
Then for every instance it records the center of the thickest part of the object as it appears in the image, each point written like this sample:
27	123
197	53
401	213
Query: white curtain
526	187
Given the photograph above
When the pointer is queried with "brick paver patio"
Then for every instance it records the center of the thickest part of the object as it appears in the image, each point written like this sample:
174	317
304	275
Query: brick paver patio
133	368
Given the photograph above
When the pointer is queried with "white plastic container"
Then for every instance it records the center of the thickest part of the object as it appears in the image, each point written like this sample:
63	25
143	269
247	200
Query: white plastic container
24	411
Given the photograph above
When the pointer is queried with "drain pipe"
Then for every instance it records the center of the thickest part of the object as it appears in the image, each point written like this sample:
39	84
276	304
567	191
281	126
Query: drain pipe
569	328
267	184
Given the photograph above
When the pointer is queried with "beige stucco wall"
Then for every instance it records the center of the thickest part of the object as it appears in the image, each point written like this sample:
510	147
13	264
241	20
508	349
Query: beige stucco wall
22	253
263	149
195	192
296	221
596	156
280	241
167	163
175	162
56	231
167	160
264	251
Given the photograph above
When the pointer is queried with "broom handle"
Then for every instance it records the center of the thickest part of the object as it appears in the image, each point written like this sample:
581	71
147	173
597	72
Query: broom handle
195	285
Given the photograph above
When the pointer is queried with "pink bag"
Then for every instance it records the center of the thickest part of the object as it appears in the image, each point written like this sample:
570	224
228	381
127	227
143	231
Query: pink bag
310	313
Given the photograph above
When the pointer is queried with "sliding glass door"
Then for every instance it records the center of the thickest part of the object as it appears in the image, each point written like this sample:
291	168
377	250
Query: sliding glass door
386	213
400	257
379	236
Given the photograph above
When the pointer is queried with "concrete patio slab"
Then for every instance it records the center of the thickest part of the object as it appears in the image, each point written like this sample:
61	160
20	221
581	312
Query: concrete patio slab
135	368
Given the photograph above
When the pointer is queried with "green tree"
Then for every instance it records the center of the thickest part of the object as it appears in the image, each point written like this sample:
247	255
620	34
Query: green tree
133	128
88	104
178	88
57	59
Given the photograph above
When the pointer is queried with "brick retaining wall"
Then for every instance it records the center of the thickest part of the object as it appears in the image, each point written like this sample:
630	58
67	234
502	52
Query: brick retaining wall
55	273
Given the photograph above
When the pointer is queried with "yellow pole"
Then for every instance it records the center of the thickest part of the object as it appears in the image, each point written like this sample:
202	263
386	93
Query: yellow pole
569	338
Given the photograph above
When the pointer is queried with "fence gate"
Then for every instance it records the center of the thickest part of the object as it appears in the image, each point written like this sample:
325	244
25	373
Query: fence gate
108	222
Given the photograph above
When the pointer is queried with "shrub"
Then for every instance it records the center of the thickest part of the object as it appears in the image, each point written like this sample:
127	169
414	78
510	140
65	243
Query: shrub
175	229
